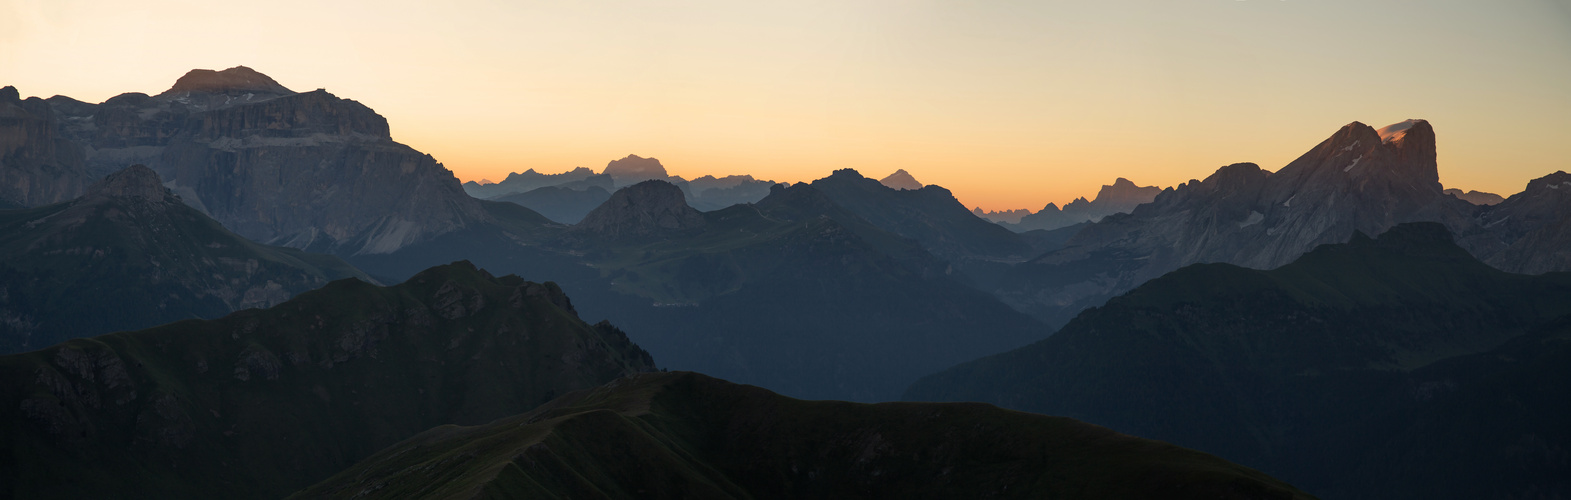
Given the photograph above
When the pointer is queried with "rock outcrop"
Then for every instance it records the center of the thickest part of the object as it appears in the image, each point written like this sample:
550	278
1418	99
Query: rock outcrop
648	208
1533	227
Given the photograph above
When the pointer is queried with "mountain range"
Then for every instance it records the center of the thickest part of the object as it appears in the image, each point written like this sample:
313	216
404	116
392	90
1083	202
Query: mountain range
127	255
1360	179
260	403
705	193
1347	372
1120	197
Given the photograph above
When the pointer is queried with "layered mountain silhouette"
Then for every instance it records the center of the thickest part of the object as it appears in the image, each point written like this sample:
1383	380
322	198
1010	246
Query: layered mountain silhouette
303	170
1339	372
128	254
261	403
685	435
560	204
1010	216
1360	179
1122	196
930	215
704	193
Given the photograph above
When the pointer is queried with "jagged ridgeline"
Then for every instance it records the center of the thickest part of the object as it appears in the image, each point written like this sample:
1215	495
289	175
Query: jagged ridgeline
1389	367
685	435
127	255
261	403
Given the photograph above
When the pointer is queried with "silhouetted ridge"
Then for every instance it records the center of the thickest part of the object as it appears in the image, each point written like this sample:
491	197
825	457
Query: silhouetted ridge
232	80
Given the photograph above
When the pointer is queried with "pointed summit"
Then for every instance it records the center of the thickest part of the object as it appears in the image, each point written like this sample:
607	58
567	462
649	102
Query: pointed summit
901	180
135	181
236	80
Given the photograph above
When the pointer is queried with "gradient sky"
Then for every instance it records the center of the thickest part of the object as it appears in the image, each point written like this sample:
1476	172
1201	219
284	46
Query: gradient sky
1009	104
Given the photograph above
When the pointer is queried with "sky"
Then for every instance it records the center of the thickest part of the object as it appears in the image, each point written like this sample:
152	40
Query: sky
1009	104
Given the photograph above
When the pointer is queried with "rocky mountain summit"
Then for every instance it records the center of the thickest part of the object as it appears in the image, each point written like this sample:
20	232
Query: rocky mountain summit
634	169
128	254
648	208
901	180
1532	229
304	170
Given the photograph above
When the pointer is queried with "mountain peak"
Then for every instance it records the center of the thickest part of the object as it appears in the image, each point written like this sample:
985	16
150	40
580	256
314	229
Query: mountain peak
649	207
236	79
1396	132
636	167
901	180
10	94
1559	181
135	181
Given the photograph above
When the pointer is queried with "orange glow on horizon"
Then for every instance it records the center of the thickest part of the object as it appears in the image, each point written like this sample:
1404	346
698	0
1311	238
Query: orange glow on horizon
1008	105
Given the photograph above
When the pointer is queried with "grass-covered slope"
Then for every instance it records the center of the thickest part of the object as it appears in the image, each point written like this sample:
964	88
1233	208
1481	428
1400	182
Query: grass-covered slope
263	402
1280	370
684	435
129	255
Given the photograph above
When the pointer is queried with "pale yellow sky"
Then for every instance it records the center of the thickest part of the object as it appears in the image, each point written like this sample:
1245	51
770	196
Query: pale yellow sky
1009	104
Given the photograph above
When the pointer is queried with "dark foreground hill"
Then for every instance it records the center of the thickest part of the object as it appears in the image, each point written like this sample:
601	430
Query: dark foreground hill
128	255
684	435
1371	369
264	402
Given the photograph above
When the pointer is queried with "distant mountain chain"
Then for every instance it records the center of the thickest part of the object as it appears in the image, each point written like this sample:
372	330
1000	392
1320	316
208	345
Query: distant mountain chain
1330	322
705	193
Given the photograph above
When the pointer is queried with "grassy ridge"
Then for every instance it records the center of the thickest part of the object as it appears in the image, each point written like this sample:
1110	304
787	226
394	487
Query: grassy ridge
684	435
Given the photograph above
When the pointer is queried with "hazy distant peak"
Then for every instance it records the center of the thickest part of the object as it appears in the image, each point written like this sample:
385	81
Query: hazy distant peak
901	180
236	79
485	182
135	181
636	167
1476	197
1397	131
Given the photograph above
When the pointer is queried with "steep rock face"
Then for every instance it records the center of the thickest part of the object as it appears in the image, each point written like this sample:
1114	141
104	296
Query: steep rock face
305	170
261	403
1358	180
38	165
1476	197
1534	227
644	209
901	180
1122	196
316	172
685	435
128	254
